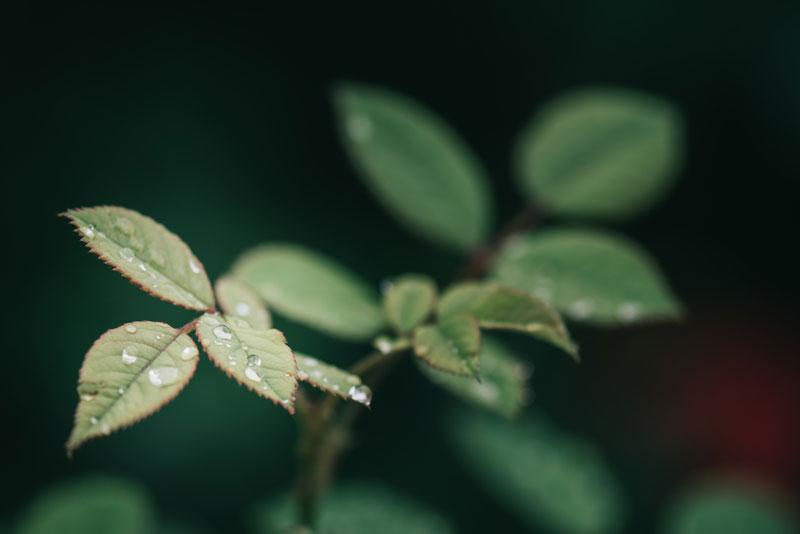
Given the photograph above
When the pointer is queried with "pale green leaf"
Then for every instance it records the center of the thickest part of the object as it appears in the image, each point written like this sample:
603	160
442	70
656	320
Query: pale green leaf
146	253
502	308
311	289
590	276
408	301
550	480
451	345
129	373
418	168
238	300
87	506
355	508
331	379
728	508
605	153
503	385
258	359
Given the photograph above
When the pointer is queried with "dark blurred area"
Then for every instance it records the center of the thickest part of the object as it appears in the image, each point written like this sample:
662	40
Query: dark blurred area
216	121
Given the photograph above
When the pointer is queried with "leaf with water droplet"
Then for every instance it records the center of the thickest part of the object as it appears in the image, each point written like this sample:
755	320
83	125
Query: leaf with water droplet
258	359
501	308
238	300
331	379
311	289
605	153
552	481
593	277
408	301
123	360
146	253
451	345
503	385
416	165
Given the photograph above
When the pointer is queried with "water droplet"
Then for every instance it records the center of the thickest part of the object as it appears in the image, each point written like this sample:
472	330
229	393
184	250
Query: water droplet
121	390
223	332
189	352
131	328
157	258
361	394
252	374
316	373
93	420
158	337
129	355
254	360
581	308
302	375
124	225
126	254
143	267
359	128
88	397
194	265
242	308
105	429
383	345
311	362
628	311
163	376
88	231
486	391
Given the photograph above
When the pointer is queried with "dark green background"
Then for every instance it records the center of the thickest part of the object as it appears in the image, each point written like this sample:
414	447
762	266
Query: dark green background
216	121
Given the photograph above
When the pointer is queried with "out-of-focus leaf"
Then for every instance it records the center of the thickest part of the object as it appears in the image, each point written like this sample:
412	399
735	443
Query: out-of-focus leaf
408	301
503	385
332	380
416	166
146	253
605	153
129	373
238	300
590	276
311	289
451	345
87	506
549	480
258	359
502	308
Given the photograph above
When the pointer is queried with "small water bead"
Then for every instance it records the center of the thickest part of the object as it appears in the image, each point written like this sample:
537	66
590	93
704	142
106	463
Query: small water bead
486	391
254	360
125	225
302	375
223	332
88	231
158	337
316	373
121	390
359	128
383	345
163	376
126	254
129	355
628	311
131	328
105	429
581	308
194	265
93	420
242	308
189	352
361	394
252	374
88	397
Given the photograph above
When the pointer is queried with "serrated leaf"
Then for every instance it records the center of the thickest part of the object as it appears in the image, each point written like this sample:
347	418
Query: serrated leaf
451	345
590	276
258	359
238	300
129	373
417	167
551	481
503	385
311	289
89	505
606	153
730	508
146	253
408	301
502	308
331	379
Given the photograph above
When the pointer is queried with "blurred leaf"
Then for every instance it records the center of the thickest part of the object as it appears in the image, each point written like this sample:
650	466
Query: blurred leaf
502	308
129	373
146	253
549	480
451	345
355	508
408	301
606	153
88	506
727	509
502	388
238	300
590	276
332	379
311	289
258	359
419	168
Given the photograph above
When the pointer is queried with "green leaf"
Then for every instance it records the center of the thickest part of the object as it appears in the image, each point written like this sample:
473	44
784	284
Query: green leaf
238	300
146	253
89	505
502	308
332	380
258	359
728	509
311	289
551	481
451	345
605	153
590	276
503	385
355	508
417	167
129	373
408	301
